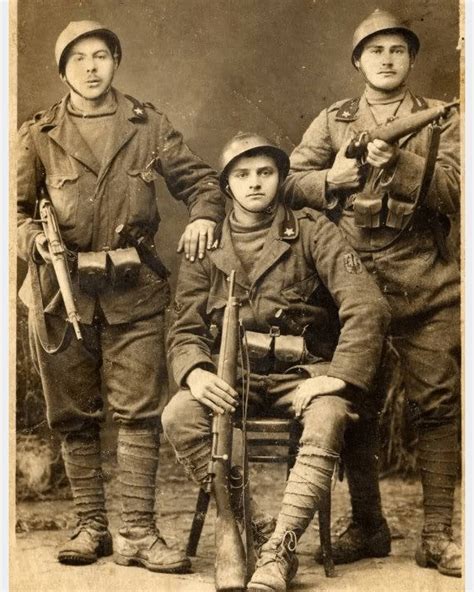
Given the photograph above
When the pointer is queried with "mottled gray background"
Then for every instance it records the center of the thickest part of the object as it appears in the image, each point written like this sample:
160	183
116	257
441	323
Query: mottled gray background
219	66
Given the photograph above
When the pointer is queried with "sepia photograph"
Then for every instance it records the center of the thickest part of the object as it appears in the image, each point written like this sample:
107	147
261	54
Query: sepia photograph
235	296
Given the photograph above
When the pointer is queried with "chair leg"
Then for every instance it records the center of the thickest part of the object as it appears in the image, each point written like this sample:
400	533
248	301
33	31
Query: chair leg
293	445
249	542
202	505
324	516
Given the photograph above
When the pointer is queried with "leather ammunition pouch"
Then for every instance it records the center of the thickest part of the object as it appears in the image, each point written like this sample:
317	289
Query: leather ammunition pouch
275	352
399	213
92	271
118	269
125	267
367	210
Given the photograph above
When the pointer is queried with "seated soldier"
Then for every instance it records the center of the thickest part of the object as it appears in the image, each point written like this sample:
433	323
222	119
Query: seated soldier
288	265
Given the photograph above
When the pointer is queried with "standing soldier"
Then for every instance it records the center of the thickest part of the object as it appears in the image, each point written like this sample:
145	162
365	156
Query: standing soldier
398	226
292	269
96	155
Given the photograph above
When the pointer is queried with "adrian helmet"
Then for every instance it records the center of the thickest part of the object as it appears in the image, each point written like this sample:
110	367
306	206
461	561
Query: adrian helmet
378	22
77	30
247	144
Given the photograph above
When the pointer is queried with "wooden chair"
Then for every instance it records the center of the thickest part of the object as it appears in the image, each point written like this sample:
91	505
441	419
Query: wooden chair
275	433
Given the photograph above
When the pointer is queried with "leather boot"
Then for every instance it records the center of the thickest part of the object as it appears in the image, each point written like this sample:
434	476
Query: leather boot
145	547
368	534
85	546
276	566
82	461
437	549
358	542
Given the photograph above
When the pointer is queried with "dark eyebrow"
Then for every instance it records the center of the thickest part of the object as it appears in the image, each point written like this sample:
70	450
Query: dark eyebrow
396	45
81	53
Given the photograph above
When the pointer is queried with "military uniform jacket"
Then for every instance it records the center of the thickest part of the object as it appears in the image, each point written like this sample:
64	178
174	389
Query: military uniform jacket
411	273
92	199
303	253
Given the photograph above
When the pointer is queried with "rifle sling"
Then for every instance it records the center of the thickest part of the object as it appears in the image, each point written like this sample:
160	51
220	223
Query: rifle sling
40	319
428	173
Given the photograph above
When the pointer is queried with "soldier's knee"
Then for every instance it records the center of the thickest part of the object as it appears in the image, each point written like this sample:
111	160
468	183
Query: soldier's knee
173	416
325	422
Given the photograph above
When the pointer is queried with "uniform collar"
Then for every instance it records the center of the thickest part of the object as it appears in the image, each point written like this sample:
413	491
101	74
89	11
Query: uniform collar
132	109
359	115
282	232
56	123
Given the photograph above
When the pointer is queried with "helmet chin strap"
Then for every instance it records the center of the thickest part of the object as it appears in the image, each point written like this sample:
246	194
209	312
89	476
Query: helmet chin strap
74	89
267	210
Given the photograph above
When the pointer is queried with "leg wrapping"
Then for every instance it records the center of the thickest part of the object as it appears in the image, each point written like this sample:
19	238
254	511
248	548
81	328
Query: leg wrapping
82	461
137	456
438	463
308	483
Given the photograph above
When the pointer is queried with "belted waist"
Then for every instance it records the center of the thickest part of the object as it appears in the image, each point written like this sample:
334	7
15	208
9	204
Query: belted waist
118	268
378	210
273	352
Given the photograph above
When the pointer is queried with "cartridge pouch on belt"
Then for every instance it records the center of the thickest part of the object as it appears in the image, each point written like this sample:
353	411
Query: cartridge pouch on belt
92	271
399	213
274	352
367	210
99	269
125	267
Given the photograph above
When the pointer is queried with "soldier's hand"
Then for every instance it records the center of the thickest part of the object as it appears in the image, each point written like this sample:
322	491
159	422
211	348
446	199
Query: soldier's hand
314	387
41	246
344	173
196	238
382	155
212	391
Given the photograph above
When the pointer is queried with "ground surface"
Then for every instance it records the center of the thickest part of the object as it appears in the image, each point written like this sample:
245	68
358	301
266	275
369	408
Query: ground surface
40	528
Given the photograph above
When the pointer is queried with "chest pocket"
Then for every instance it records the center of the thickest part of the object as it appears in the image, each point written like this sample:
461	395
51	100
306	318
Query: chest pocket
301	291
64	193
141	194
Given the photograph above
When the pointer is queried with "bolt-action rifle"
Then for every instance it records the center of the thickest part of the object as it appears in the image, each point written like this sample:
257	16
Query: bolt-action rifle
396	128
59	260
230	565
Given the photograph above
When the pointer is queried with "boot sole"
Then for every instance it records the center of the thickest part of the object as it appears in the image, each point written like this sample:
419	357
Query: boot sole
72	558
423	561
177	568
353	558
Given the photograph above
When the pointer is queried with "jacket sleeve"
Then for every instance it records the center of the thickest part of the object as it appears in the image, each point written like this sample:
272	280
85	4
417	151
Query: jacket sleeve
364	313
189	338
444	191
187	177
30	175
310	162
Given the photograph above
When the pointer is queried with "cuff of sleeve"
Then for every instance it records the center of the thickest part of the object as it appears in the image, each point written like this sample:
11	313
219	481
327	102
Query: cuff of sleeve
186	361
359	373
33	251
313	187
211	208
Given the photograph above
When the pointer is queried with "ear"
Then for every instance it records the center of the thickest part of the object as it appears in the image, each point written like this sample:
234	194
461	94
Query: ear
357	64
63	78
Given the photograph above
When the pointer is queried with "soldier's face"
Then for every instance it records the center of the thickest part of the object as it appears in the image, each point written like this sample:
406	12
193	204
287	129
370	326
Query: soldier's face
90	68
254	181
385	61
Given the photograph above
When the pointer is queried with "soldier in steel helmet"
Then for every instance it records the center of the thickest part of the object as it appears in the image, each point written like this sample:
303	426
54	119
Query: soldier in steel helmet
296	278
399	231
96	154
